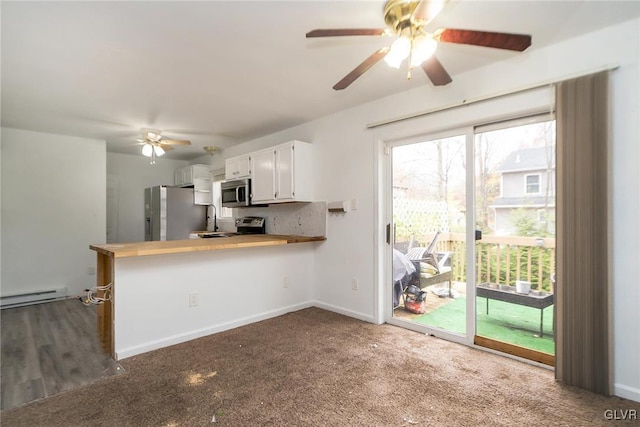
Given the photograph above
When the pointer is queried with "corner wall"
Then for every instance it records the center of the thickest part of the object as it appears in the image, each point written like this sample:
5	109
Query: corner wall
53	208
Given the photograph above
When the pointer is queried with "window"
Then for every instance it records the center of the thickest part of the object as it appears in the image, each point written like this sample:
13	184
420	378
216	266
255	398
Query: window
532	184
218	178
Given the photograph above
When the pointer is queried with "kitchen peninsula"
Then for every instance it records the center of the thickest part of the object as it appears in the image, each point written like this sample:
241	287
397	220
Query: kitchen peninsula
167	292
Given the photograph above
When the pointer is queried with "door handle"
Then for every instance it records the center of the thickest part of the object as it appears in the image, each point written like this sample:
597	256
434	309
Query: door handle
478	234
388	234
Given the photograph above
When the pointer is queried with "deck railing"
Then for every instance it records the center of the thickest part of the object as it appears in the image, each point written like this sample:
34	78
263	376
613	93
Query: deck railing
503	259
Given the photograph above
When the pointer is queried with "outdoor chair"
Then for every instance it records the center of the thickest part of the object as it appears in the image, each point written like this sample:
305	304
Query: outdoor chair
432	266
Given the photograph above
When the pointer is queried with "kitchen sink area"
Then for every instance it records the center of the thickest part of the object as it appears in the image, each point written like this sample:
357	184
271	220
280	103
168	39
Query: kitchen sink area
215	234
244	225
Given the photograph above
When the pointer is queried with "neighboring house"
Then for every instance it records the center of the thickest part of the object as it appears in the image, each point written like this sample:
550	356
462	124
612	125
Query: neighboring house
527	190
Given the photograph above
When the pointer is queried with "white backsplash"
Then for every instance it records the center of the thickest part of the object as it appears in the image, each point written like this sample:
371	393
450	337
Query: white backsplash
301	219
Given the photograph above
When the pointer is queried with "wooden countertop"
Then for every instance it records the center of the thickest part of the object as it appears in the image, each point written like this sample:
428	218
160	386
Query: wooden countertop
122	250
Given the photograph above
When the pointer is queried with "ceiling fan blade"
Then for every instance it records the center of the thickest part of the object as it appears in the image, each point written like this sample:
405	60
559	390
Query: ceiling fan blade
360	69
518	42
174	142
436	72
428	9
347	32
166	147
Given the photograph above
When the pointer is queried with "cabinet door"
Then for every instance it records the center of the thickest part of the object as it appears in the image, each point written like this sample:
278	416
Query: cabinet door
177	177
231	166
237	167
263	173
244	167
187	175
200	172
284	172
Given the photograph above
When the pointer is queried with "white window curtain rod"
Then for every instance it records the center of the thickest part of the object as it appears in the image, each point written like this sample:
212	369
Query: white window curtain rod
489	97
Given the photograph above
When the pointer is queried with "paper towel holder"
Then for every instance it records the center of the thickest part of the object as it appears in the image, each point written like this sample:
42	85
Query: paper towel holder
338	208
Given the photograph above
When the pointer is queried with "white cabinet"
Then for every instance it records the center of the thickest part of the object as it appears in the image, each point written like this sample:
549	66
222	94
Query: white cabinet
282	173
263	178
198	177
237	167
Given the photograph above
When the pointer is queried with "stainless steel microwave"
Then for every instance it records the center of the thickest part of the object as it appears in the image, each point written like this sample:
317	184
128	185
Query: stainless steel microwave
236	194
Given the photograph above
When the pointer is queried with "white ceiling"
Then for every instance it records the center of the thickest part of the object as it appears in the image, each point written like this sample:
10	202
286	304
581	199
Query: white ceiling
224	72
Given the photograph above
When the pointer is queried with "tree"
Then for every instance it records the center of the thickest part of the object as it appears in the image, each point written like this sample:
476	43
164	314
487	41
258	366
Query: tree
487	180
526	223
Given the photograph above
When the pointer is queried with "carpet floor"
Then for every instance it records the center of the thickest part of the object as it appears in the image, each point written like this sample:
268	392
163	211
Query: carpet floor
317	368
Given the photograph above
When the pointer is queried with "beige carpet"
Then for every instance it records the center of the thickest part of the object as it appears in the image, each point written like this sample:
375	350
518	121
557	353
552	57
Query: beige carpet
317	368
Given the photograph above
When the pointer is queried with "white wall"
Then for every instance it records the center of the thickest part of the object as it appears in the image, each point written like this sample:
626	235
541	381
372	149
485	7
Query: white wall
0	216
128	176
347	155
53	208
152	308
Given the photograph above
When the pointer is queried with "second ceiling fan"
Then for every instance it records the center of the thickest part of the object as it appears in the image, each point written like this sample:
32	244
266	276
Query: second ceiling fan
407	20
154	144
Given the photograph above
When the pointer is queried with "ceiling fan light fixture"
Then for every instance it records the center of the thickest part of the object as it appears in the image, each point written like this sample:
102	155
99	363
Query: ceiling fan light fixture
158	150
423	49
147	150
399	51
211	150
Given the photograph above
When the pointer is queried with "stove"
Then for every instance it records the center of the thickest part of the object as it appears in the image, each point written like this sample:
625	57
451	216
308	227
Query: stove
250	225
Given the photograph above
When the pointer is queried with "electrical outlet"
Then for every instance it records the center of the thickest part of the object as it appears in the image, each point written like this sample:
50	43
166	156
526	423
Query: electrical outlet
354	284
285	282
193	299
354	204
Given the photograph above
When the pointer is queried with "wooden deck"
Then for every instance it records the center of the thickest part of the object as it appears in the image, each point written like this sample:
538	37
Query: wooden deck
432	301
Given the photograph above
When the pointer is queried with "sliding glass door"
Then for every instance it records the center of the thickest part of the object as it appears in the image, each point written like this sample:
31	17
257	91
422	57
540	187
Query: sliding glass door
428	230
498	291
515	258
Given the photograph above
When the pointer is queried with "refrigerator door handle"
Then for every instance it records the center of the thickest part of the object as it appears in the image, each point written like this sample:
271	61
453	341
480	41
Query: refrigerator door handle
148	224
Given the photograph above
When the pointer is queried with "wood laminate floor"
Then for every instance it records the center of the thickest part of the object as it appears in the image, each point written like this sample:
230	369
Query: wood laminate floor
48	348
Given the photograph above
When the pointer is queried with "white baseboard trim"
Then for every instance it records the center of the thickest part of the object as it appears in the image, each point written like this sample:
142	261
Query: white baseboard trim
199	333
626	392
340	310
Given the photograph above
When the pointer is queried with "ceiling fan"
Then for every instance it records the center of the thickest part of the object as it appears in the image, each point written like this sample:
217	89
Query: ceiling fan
408	19
154	145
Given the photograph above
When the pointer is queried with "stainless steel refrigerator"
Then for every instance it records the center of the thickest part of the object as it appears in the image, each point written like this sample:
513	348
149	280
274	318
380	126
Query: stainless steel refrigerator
170	214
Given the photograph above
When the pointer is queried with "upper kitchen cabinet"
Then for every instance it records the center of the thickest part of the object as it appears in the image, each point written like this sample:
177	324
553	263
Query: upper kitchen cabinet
198	177
283	173
238	167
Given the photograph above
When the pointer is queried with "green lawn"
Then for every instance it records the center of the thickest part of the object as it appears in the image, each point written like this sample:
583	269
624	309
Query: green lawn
505	322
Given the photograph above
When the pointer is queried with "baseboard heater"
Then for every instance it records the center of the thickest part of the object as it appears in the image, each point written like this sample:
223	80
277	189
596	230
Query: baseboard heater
35	297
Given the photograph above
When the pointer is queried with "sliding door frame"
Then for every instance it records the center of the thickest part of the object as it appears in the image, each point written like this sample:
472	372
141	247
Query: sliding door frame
387	190
384	175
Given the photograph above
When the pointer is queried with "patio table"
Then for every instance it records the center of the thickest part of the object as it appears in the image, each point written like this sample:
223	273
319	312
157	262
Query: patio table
506	293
